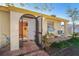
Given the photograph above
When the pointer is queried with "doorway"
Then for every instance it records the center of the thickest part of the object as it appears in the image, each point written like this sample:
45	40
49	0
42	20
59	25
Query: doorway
30	28
27	28
23	30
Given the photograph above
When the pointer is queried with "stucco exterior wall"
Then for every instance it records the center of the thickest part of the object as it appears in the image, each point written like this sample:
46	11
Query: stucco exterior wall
4	27
9	25
44	26
14	29
65	29
56	26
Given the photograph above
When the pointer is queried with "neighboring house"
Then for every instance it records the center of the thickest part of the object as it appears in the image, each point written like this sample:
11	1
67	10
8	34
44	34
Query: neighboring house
70	28
77	28
20	24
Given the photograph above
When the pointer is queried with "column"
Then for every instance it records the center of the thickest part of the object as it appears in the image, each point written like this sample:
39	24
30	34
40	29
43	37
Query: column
65	29
14	31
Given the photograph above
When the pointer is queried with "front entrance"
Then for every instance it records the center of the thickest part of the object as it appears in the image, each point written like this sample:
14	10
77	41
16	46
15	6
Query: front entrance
27	28
30	28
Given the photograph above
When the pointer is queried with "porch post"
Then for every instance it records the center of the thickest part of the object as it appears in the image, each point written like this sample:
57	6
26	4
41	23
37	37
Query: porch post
14	31
65	28
0	34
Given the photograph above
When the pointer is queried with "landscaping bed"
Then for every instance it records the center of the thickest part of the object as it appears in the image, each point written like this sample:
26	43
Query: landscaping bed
67	43
68	47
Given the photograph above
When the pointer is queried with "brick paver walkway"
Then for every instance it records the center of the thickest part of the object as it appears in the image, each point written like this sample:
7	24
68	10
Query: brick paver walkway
4	49
29	48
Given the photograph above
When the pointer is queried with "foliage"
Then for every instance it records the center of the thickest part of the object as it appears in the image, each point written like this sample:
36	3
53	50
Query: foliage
9	4
43	7
76	34
74	15
37	6
74	41
47	39
67	43
62	44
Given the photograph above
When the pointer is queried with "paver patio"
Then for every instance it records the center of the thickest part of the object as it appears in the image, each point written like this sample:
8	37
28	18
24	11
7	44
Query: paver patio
29	48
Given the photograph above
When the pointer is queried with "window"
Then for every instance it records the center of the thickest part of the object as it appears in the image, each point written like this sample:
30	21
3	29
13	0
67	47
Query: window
60	32
61	24
50	26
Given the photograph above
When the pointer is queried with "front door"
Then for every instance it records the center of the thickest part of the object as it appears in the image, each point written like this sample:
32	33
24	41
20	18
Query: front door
23	31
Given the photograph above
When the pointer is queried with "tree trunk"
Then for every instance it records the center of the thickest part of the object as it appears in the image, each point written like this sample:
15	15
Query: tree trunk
73	29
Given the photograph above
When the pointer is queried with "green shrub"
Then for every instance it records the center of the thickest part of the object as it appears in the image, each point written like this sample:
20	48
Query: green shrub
62	44
67	43
74	41
47	38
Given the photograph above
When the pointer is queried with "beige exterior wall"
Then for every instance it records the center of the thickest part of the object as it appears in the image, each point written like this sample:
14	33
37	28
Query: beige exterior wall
44	26
4	27
14	29
56	26
65	29
9	25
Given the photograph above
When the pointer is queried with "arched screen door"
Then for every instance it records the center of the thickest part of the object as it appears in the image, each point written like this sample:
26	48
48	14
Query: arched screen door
26	28
39	30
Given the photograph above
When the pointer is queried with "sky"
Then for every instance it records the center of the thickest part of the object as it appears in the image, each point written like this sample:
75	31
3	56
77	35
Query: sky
58	9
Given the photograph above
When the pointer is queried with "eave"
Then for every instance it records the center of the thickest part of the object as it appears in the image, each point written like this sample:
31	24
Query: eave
16	9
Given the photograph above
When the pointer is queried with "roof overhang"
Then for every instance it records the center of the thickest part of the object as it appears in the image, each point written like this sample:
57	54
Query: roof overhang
13	8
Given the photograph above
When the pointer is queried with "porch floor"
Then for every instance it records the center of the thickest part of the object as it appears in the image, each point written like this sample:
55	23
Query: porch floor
29	49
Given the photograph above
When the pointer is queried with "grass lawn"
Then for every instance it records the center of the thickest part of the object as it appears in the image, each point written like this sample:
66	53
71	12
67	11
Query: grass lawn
74	41
67	43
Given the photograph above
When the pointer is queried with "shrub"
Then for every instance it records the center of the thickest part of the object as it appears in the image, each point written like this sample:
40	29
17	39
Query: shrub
62	44
47	39
67	43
